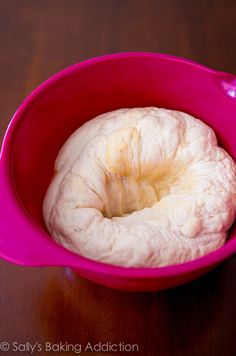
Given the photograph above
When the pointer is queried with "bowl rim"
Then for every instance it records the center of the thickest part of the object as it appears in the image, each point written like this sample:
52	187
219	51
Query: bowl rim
72	259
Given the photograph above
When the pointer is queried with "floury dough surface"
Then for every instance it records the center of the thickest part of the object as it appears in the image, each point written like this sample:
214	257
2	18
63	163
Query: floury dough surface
142	187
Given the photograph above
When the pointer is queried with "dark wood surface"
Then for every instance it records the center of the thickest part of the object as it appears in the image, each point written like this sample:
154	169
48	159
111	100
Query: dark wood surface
39	38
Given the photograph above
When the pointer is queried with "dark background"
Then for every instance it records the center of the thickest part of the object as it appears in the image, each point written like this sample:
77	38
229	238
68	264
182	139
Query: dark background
39	38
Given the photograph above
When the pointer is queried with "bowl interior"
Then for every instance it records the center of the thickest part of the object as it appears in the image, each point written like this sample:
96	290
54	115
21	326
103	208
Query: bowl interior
85	90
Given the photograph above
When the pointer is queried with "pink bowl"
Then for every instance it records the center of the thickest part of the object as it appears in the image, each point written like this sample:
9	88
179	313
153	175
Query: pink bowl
63	103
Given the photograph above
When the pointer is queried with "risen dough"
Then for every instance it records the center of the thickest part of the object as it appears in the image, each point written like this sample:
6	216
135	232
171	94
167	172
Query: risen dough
142	187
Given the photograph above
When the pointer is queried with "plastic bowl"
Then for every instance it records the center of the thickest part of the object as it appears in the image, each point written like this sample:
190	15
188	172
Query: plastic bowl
63	103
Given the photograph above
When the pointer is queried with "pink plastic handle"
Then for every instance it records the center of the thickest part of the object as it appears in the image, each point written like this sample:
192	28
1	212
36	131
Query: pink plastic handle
227	82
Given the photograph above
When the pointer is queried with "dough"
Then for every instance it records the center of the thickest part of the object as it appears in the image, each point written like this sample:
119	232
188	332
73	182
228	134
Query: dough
142	187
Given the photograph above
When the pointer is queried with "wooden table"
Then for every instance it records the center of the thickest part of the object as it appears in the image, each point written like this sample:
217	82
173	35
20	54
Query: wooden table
39	38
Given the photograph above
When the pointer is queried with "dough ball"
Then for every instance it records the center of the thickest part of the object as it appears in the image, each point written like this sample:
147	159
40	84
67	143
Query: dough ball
142	187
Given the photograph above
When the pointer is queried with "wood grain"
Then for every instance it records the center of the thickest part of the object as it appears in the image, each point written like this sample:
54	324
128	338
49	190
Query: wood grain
39	38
